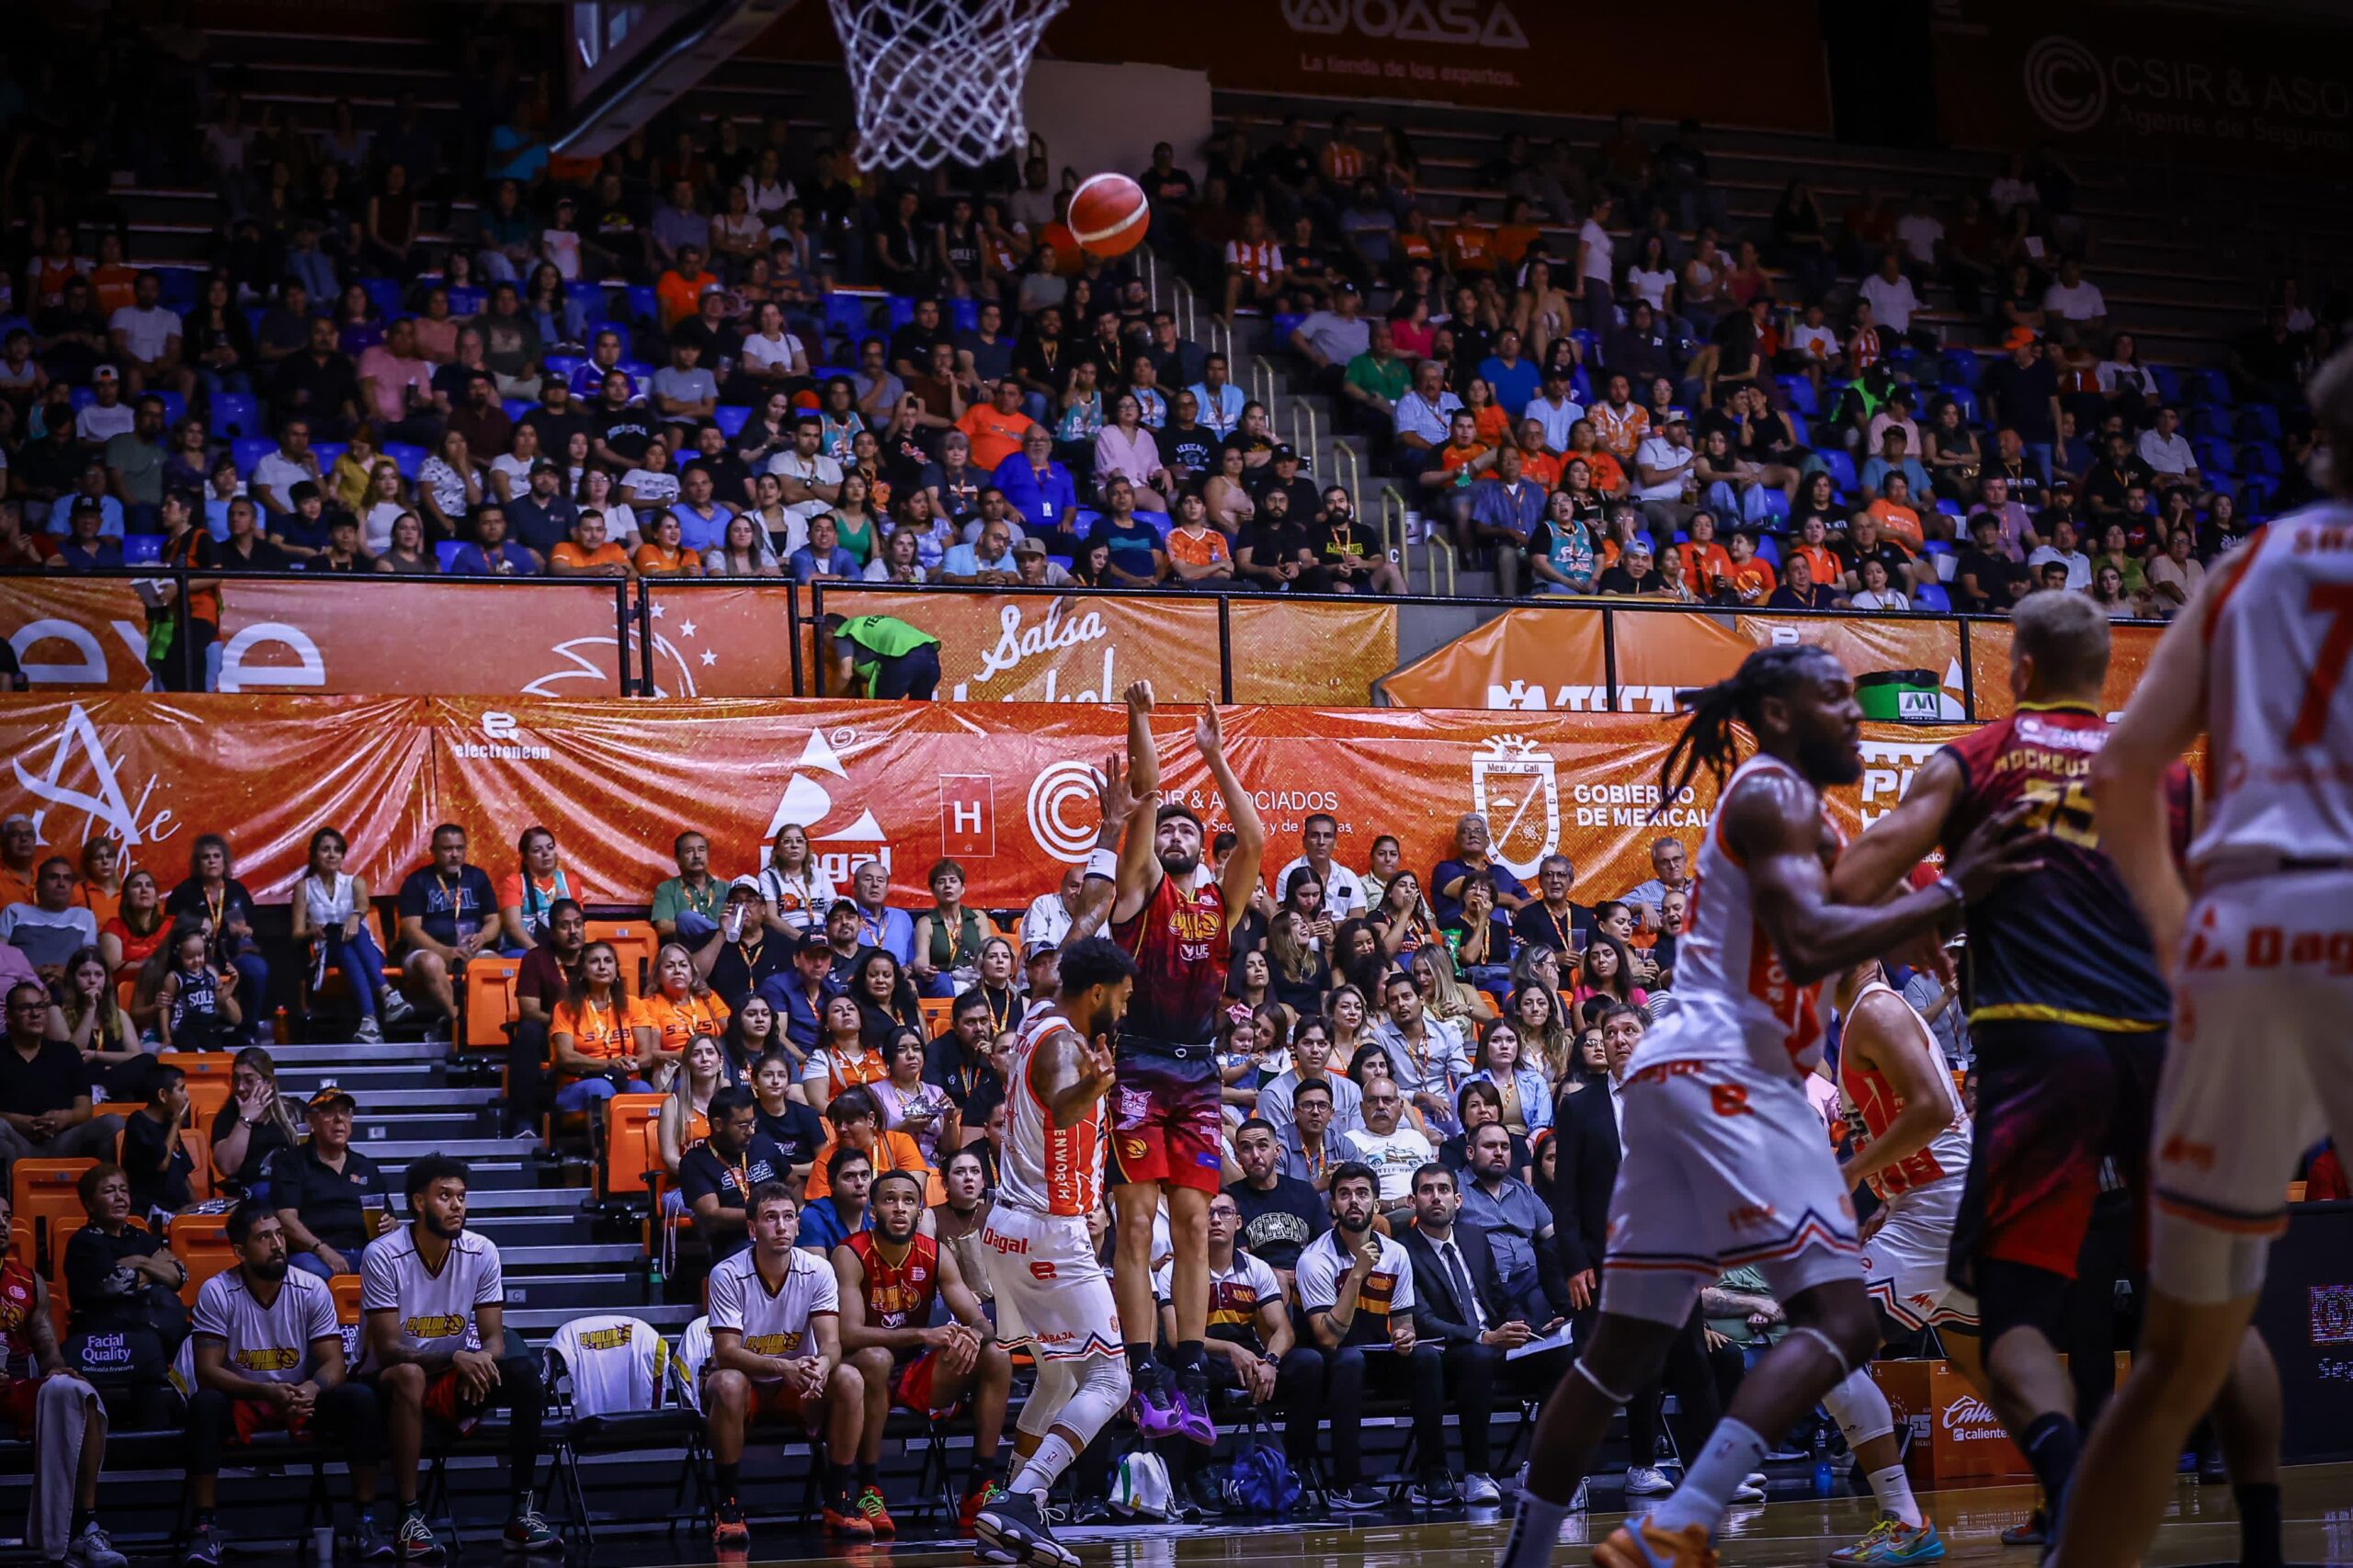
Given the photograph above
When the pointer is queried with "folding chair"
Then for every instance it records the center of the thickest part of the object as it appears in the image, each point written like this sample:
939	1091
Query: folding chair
619	1411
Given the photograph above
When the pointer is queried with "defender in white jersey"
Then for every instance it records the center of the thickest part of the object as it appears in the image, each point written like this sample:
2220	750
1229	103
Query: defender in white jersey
1051	1292
1909	1142
268	1356
1725	1158
433	1307
2261	960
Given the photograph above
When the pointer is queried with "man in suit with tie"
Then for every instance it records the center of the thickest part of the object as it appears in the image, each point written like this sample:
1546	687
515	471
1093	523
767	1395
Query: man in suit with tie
1589	1125
1460	1305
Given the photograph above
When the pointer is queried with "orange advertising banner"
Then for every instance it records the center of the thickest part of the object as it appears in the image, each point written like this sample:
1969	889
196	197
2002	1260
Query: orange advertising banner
2130	649
1534	659
1007	793
723	639
1087	647
382	635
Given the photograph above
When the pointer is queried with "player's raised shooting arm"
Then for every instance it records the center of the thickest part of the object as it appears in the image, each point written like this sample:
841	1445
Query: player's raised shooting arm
1239	878
1069	1075
2128	781
1774	825
1888	850
1139	873
1878	1028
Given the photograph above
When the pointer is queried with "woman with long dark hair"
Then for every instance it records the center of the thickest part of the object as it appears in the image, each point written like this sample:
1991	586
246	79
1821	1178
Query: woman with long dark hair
212	897
599	1041
331	914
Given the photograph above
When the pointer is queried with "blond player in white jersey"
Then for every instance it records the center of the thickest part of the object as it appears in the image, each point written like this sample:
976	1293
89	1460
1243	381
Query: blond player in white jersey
1909	1142
2261	1063
1726	1163
1052	1295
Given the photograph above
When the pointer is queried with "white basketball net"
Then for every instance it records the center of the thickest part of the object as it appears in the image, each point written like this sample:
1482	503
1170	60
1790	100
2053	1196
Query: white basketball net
939	79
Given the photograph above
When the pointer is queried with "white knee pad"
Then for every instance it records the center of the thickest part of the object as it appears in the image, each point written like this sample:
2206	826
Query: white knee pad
1057	1380
1829	1346
2203	1266
1102	1387
1860	1408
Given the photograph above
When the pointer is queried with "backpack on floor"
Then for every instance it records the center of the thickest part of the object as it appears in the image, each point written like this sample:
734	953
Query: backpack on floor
1259	1481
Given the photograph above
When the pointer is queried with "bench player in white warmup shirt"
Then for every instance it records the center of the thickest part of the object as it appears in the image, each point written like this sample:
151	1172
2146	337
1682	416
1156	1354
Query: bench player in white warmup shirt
1725	1163
1052	1295
433	1303
2261	1062
775	1351
1910	1142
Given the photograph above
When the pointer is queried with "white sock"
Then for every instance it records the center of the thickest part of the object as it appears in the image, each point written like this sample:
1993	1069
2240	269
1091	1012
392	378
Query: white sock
1535	1529
1892	1487
1037	1474
1732	1451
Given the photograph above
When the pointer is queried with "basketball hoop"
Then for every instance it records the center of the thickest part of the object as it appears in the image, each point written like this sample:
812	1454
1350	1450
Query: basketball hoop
939	79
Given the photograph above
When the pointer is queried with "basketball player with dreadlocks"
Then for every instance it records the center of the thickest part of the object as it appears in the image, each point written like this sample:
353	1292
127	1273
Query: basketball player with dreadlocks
2070	1017
1725	1163
2263	1063
1167	1136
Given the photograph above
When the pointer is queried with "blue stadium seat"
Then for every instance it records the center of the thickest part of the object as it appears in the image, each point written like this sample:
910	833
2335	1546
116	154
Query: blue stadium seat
1798	423
2209	386
1959	367
2259	422
408	457
1581	385
142	549
248	451
1588	344
516	408
329	453
1798	389
1285	323
2214	458
731	417
589	296
902	311
964	315
1842	469
1949	506
80	398
564	364
1932	596
175	408
2256	495
14	324
643	303
384	293
2168	380
1968	400
1938	547
1769	550
468	300
847	314
2210	421
446	552
2260	457
1767	502
638	370
253	317
824	373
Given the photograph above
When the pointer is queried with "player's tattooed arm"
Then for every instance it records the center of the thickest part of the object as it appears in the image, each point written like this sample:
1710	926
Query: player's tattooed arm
1071	1075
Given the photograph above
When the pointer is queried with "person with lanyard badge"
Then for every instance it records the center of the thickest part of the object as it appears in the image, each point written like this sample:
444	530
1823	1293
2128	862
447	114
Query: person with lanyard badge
881	656
447	914
212	893
959	1061
841	1060
854	1119
949	938
794	884
889	1279
738	959
682	1008
530	891
268	1356
879	926
688	906
716	1175
599	1040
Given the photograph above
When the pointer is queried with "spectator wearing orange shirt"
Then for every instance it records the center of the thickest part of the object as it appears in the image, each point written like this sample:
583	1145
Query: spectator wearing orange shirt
589	553
1812	543
1253	265
995	428
1470	245
1536	460
1707	569
854	1118
1753	579
1198	552
664	553
679	291
600	1039
1450	471
1619	422
1609	475
1518	232
1896	515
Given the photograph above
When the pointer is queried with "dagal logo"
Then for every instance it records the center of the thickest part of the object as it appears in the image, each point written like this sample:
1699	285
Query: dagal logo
1514	786
1490	26
79	775
807	801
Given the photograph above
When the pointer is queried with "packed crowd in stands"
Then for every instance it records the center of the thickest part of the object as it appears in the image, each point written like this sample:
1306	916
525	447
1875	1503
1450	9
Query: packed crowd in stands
419	350
1419	1053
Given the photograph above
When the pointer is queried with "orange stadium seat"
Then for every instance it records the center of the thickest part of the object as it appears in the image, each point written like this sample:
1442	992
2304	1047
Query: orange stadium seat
634	943
209	1081
938	1013
489	1001
42	1191
345	1288
202	1241
629	1121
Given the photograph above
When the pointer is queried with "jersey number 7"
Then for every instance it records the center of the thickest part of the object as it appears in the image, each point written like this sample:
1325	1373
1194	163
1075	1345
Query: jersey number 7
2333	600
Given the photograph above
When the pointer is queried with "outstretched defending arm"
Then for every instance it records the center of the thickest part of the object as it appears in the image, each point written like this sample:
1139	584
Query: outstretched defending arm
1120	808
1239	880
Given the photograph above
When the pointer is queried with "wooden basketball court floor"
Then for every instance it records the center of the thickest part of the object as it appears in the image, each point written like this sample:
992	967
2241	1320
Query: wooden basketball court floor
2200	1528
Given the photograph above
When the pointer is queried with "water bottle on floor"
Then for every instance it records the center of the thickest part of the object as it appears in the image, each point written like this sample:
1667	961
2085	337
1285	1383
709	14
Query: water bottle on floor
1822	1480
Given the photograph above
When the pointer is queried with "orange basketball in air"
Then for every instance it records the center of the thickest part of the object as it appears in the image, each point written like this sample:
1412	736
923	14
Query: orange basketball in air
1109	214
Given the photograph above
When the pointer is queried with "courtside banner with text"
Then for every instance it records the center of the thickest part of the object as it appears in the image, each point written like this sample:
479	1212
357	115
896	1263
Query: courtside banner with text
1007	790
1536	659
2130	649
373	635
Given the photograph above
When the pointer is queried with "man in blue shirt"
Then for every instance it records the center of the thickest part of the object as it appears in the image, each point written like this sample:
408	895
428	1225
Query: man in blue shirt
493	554
540	518
824	556
1504	513
826	1222
878	926
702	518
1138	560
1514	380
799	993
1038	490
988	562
1894	457
1218	401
